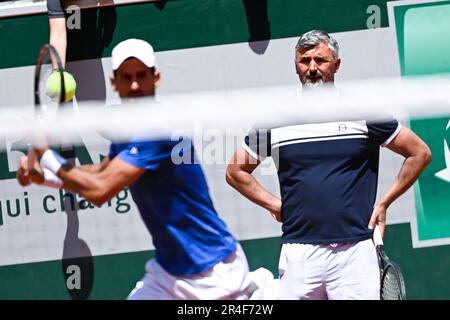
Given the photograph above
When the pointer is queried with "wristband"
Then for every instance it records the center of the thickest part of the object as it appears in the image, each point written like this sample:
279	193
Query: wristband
52	161
51	179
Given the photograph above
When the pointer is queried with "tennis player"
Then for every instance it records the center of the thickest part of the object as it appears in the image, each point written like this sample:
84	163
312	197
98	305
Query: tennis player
328	179
196	255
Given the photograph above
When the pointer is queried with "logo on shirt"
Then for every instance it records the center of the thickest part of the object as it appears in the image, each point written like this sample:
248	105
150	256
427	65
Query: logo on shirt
134	150
342	127
445	173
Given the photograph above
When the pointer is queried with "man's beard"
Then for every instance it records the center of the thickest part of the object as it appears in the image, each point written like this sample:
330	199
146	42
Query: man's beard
313	85
308	80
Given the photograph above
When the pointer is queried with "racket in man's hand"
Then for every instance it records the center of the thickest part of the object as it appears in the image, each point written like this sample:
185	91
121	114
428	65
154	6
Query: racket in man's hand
392	283
53	87
49	88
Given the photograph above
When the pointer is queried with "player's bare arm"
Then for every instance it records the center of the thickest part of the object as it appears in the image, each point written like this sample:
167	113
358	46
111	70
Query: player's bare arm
417	157
96	167
25	176
97	183
239	176
58	37
99	187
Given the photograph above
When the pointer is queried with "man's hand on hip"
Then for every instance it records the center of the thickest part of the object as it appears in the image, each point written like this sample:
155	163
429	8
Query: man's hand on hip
378	217
275	210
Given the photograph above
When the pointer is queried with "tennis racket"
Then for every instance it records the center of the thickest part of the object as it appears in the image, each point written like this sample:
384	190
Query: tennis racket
76	252
392	283
48	61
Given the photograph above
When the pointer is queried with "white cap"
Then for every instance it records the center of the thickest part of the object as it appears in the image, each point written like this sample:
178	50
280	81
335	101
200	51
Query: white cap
136	48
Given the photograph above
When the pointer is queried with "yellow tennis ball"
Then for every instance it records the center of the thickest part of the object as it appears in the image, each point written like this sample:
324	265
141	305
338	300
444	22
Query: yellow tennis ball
53	86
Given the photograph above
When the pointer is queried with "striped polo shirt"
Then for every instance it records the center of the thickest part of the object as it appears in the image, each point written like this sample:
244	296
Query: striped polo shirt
328	176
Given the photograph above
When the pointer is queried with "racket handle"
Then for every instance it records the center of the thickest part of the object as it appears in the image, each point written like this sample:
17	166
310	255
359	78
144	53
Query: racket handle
377	239
31	158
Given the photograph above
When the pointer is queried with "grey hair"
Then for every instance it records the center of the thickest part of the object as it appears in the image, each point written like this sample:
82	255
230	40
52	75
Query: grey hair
315	37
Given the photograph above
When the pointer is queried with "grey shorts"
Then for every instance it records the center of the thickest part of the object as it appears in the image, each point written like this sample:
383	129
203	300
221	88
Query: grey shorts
55	9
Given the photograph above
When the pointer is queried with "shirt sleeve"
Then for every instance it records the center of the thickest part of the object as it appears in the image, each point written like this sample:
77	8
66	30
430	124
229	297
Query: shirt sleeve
383	132
257	143
149	155
112	151
55	9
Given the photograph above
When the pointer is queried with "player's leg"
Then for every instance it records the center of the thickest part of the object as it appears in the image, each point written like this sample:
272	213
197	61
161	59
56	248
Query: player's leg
263	285
155	285
227	280
353	272
301	272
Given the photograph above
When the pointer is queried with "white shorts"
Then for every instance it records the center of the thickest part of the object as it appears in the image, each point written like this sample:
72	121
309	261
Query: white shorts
343	272
227	280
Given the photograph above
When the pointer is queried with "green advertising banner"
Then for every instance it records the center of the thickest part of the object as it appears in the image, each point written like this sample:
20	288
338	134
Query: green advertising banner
424	48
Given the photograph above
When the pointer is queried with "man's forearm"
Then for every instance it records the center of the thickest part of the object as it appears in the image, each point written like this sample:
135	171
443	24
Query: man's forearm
58	38
83	182
92	168
89	185
249	187
411	169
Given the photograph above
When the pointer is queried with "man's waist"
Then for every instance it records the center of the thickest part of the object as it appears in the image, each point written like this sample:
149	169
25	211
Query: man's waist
334	243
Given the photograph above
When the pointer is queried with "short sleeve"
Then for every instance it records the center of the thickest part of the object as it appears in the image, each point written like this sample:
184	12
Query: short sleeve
383	132
55	8
112	151
257	143
149	155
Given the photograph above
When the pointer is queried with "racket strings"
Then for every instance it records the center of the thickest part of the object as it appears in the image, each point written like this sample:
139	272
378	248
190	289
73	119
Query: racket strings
391	288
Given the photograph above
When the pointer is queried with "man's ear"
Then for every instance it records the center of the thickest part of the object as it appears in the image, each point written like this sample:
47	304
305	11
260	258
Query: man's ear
157	78
113	82
337	64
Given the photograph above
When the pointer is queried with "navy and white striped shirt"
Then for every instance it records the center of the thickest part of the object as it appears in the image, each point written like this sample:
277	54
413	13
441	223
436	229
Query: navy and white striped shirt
328	175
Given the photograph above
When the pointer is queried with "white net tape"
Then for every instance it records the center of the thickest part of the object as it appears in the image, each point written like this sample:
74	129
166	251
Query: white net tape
184	114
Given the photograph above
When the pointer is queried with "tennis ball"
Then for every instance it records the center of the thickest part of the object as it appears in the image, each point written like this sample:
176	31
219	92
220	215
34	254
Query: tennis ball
53	86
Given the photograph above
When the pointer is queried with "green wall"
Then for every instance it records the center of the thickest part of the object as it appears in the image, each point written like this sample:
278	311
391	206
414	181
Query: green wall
183	24
425	270
113	275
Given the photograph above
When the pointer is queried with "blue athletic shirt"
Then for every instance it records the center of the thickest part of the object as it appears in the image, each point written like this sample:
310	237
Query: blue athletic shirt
328	175
174	202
